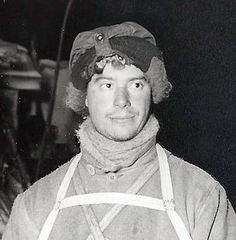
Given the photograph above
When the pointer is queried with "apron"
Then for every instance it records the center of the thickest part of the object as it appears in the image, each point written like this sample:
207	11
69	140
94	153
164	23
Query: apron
120	199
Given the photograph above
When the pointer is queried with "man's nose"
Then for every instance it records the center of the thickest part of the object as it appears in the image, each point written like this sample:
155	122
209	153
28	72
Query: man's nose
122	98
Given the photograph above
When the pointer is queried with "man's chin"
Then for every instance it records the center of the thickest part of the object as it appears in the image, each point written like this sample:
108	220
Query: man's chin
121	136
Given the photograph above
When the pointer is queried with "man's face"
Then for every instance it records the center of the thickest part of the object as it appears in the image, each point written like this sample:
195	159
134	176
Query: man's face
118	101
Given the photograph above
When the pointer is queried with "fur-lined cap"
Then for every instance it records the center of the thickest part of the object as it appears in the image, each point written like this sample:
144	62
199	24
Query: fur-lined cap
132	43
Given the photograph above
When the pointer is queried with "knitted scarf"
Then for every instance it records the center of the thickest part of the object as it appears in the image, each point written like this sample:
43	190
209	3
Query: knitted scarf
110	156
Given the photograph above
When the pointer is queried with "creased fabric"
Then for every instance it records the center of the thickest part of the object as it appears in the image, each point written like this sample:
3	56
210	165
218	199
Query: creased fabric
200	201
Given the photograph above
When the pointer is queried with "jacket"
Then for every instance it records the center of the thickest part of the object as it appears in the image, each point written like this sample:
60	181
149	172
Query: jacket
200	201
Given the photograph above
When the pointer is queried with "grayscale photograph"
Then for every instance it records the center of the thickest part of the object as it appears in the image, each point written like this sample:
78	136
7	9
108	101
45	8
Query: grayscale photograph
117	120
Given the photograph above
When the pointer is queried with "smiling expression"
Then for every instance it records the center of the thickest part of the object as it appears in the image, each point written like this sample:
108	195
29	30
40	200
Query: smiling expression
118	101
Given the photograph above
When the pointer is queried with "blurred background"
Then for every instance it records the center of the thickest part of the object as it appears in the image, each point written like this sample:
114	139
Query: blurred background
197	121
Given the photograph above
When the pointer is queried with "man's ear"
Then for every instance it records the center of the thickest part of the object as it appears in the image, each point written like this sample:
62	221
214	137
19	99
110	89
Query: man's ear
86	102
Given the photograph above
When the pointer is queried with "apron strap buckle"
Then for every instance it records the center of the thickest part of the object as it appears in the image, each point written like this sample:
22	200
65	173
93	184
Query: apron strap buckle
169	205
57	205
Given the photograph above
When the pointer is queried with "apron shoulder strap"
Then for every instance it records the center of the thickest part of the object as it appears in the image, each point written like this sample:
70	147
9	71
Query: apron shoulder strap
47	227
168	196
166	183
66	180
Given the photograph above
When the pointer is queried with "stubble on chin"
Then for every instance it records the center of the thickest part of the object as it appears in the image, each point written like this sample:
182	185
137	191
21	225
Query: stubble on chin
118	134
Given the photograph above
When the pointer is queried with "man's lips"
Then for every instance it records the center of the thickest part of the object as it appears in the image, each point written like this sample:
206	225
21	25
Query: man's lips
122	117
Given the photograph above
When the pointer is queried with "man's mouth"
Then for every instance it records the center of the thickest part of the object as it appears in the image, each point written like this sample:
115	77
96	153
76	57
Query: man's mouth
121	117
118	117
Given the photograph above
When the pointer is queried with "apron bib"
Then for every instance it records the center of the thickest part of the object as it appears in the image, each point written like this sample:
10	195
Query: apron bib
120	199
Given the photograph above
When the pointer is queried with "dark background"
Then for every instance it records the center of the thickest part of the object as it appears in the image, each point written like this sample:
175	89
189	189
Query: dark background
198	40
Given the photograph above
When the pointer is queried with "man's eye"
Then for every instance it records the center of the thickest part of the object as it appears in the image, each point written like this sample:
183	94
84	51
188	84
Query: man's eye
137	85
108	85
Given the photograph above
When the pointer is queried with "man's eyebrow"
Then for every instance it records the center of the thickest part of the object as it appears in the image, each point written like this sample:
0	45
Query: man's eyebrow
112	79
138	78
102	77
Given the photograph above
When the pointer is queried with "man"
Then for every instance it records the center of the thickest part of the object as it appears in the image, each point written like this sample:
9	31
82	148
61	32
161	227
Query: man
123	185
